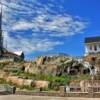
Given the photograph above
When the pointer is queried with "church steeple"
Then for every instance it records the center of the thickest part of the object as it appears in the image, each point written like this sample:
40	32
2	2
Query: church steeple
1	17
1	37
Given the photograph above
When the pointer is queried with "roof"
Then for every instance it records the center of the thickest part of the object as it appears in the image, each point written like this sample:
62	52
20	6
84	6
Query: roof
19	53
92	39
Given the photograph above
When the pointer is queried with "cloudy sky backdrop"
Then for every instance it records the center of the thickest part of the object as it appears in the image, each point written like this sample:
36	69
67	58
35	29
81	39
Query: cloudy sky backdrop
40	26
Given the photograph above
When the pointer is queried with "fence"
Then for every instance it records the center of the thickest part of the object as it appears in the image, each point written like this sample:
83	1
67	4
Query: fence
6	89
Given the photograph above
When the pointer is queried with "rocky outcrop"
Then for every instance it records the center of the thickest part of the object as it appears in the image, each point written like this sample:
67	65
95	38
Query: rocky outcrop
45	65
49	66
32	68
40	60
94	60
57	66
52	65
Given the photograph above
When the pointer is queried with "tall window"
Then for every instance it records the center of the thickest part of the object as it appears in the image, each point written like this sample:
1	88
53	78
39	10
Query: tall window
90	47
95	48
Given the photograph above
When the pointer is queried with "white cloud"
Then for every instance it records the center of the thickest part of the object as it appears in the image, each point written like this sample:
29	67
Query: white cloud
22	25
28	45
57	25
22	15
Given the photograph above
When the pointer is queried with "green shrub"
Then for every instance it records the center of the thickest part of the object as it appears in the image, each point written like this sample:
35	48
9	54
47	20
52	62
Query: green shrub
2	66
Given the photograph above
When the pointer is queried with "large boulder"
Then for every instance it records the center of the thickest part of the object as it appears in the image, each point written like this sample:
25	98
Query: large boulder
19	81
40	84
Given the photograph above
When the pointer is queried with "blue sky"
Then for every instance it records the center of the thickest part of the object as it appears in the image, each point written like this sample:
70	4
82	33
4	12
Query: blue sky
40	26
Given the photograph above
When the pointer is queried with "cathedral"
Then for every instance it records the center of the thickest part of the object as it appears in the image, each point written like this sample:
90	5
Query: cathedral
4	53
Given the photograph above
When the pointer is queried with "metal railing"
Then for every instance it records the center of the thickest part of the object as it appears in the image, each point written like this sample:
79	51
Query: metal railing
4	88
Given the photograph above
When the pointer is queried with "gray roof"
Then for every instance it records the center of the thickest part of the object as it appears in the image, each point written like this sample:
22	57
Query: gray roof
92	39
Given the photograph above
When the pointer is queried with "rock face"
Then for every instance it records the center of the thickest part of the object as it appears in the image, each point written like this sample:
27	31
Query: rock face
94	60
40	60
57	66
32	68
45	65
54	65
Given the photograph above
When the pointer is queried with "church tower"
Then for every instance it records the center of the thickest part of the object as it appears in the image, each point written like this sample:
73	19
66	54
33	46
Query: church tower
1	37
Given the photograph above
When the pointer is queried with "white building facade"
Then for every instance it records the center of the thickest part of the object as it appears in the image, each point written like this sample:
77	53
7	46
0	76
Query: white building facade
92	45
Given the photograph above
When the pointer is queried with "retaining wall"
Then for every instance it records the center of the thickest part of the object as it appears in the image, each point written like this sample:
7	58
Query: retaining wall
58	94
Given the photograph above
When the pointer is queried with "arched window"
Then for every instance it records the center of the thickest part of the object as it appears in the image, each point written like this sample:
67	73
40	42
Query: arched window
90	47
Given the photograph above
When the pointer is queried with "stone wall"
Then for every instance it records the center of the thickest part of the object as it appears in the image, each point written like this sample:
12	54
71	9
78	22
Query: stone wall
58	94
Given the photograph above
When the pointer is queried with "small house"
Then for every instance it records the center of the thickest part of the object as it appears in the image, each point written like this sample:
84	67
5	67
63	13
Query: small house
92	45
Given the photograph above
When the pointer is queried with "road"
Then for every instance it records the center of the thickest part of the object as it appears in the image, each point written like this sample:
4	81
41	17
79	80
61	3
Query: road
20	97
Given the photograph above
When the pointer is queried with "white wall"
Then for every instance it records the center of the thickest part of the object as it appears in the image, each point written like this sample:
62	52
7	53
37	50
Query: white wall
88	50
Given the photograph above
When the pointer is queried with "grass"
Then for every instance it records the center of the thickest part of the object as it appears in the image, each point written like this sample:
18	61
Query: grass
26	87
64	79
2	81
55	81
2	66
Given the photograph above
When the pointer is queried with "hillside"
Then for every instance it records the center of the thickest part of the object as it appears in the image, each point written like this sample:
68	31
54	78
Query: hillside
52	71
